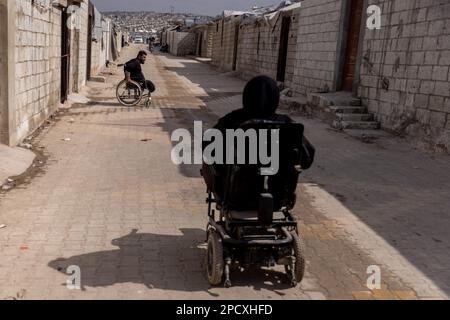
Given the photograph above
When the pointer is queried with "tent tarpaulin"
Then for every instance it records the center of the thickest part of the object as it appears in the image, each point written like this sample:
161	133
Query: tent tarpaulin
270	17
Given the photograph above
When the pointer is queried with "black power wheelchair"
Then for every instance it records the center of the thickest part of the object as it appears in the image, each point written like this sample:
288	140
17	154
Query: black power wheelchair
254	225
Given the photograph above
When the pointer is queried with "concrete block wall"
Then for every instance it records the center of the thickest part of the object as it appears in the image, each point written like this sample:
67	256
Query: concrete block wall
317	46
223	43
208	38
257	50
173	38
82	60
119	41
3	71
100	50
405	78
292	48
78	48
204	35
259	45
183	43
37	70
96	53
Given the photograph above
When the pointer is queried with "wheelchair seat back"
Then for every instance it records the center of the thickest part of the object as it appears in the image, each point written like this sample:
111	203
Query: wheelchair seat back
244	183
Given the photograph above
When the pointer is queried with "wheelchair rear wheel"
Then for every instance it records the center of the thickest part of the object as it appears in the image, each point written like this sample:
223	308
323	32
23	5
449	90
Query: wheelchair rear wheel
129	94
215	262
296	273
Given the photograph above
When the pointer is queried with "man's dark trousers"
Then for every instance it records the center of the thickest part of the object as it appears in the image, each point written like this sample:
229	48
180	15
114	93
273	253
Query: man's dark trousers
149	85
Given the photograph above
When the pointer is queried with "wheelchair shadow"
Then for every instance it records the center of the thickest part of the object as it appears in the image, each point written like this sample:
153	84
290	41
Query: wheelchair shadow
170	262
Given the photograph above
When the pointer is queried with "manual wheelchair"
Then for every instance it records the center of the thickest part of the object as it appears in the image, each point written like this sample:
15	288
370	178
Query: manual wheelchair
132	93
255	225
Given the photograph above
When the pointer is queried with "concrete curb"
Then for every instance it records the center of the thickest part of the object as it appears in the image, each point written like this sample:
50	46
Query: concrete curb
14	161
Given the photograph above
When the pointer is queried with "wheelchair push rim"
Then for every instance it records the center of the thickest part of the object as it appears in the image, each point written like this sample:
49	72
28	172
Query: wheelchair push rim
129	94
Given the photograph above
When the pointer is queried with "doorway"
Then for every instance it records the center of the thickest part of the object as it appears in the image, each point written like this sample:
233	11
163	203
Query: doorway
91	22
200	44
352	43
236	43
65	56
283	51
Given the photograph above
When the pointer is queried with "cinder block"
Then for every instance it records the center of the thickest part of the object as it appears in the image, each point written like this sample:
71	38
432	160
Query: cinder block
442	89
438	119
444	42
425	72
431	57
427	87
444	59
436	28
417	58
430	43
440	73
437	104
421	101
412	86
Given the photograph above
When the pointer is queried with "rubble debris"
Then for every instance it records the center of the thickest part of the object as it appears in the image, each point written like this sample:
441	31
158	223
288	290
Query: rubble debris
287	92
21	293
25	145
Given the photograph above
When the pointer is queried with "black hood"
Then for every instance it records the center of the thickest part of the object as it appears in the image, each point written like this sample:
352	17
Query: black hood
261	96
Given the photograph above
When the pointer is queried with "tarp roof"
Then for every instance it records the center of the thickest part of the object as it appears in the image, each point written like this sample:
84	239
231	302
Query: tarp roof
268	13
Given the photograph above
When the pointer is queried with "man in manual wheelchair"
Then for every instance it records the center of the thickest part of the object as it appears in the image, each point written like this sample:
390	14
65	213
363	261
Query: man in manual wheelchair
255	225
131	90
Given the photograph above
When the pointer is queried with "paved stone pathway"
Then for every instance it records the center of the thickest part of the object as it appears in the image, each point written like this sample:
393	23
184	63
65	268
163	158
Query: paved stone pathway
109	200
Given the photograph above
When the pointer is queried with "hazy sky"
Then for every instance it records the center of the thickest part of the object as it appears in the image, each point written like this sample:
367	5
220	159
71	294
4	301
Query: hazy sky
207	7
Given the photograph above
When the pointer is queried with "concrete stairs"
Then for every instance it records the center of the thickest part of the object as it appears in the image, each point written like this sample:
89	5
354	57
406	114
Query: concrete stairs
343	111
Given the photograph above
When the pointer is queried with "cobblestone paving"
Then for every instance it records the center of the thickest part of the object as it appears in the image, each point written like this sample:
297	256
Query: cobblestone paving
110	201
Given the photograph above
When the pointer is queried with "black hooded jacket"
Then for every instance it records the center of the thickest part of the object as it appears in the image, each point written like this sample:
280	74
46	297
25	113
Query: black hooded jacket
260	101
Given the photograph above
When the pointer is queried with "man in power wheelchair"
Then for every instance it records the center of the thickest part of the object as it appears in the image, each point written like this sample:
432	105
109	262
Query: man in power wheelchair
131	90
255	225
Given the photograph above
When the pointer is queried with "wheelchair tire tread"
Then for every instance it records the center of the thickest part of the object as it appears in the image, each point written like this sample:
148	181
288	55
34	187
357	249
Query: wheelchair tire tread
215	272
299	251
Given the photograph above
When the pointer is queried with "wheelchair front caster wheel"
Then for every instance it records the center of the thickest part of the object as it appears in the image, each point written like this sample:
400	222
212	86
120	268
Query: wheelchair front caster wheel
227	284
148	104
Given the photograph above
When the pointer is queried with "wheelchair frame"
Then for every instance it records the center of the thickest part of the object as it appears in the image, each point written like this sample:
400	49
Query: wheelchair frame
289	249
224	249
137	100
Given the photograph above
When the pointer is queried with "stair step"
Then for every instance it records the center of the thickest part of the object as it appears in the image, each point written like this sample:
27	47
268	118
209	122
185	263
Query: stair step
355	116
347	109
363	125
341	98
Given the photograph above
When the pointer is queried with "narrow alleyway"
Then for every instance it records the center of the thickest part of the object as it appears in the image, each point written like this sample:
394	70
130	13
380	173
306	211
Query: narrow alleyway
109	200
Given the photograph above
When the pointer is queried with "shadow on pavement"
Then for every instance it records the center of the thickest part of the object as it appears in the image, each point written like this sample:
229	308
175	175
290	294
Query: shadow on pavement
169	262
399	193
